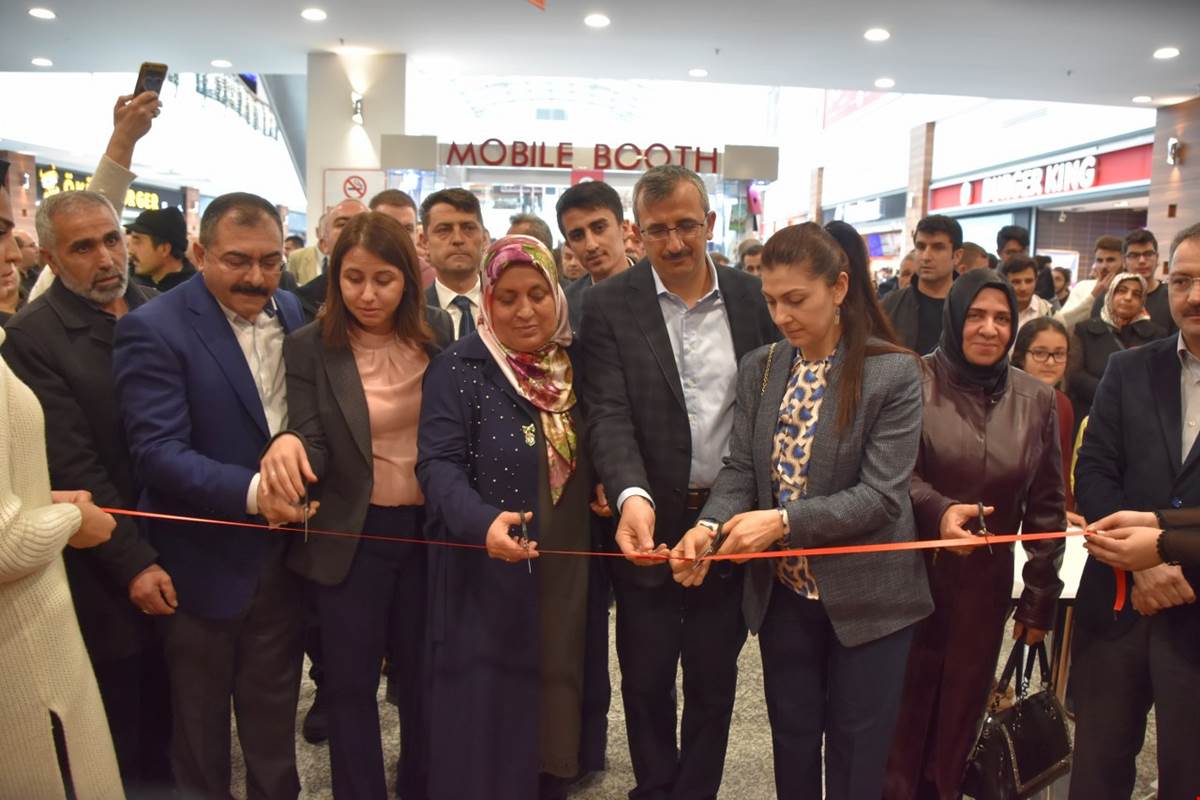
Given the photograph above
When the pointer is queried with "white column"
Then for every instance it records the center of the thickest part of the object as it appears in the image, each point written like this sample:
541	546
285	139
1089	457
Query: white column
334	140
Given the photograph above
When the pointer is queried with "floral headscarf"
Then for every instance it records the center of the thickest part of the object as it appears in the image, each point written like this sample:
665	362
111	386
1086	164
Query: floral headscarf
1108	313
543	377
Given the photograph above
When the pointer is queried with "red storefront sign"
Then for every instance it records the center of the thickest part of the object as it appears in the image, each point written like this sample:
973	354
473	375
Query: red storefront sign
1050	179
625	157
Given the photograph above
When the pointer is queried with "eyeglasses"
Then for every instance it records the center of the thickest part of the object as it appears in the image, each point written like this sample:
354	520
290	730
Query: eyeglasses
239	262
660	233
1182	284
1042	356
1142	256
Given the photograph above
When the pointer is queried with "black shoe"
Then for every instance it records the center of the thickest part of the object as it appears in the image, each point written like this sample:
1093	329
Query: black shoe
316	723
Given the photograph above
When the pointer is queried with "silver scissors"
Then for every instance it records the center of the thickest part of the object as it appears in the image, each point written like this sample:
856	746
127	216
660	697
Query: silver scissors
983	531
304	502
522	538
712	547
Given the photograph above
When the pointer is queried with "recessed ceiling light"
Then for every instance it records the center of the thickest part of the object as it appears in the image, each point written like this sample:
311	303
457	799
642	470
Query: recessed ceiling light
42	13
877	35
1163	53
221	63
42	62
884	83
1143	98
698	72
596	21
314	14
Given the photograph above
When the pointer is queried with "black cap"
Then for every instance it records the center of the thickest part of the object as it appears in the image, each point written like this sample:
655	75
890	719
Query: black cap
165	225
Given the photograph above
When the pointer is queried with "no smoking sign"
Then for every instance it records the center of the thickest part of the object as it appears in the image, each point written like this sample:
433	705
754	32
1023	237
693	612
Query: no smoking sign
352	184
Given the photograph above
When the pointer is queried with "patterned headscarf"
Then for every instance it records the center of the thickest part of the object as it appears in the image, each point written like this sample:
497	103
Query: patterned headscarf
543	377
1108	312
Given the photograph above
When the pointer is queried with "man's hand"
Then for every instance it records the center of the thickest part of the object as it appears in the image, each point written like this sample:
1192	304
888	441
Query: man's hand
500	543
599	504
951	526
132	118
635	532
279	511
685	569
1102	282
152	591
751	532
1159	588
284	469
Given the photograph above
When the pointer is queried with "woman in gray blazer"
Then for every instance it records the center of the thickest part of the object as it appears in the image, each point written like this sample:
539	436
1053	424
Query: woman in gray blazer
825	437
354	397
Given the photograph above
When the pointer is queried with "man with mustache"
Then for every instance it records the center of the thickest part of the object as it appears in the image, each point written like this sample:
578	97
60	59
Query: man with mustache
200	384
60	345
453	231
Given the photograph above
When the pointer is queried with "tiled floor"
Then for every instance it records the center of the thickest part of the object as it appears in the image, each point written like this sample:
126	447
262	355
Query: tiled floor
748	768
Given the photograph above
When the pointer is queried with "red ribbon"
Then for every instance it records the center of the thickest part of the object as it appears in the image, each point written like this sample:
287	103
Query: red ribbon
932	544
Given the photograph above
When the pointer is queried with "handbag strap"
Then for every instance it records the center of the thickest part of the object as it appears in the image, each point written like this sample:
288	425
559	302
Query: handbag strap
1037	653
762	390
1015	659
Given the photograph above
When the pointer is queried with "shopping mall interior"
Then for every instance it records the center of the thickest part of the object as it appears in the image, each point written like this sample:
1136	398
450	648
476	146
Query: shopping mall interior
1072	119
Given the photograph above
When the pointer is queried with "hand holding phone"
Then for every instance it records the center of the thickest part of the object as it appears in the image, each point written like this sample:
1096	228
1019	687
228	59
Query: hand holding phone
150	78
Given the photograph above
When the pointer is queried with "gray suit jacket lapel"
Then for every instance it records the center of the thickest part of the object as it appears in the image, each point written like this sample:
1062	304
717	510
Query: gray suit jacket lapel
347	388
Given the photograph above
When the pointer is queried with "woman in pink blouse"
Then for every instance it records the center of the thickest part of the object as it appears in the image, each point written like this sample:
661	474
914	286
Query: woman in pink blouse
354	397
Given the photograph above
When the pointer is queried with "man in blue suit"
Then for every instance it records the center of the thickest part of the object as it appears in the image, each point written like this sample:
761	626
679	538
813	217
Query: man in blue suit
200	383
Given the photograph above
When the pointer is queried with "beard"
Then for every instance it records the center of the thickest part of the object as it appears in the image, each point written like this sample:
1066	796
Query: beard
91	293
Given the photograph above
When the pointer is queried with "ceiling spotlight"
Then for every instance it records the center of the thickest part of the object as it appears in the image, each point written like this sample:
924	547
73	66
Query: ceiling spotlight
596	21
42	62
221	63
42	13
698	72
1143	98
356	108
314	14
877	35
884	83
1163	53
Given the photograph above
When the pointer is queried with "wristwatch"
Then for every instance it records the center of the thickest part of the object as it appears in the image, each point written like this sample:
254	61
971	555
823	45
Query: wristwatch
711	524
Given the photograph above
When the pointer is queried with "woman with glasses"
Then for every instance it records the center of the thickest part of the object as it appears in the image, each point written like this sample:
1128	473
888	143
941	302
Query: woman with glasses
989	460
503	467
1123	323
825	435
353	398
1043	349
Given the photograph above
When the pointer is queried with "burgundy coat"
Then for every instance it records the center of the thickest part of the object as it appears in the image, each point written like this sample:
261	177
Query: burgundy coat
1002	449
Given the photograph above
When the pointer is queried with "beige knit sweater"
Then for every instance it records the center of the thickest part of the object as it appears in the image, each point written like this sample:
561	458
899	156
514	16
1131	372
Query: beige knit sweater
43	665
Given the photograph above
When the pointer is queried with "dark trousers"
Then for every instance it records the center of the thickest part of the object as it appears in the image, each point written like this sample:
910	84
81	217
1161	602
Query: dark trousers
597	689
657	629
378	610
817	688
255	659
137	703
1115	682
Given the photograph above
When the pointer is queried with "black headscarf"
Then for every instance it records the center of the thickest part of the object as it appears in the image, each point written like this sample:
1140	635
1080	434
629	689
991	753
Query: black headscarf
954	317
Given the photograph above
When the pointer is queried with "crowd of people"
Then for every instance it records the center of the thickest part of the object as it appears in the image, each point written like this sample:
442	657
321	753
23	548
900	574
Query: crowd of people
383	449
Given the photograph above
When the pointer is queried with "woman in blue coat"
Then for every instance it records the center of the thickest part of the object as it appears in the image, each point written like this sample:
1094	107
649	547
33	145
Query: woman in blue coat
498	446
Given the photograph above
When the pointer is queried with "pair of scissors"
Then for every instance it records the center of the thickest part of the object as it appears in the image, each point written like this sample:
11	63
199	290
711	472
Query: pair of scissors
983	531
522	537
304	502
712	547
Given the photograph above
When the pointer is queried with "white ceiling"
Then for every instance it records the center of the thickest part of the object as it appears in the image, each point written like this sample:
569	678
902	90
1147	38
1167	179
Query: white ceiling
1090	51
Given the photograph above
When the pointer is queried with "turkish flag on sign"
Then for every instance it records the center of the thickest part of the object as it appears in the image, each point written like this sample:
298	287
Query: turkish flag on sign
539	3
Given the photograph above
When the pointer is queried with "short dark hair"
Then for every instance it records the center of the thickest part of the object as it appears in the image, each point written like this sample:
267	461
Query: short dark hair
753	250
1029	332
973	250
1042	262
588	197
993	261
1187	234
393	197
1018	263
940	223
658	183
456	198
1112	244
384	237
719	258
1066	273
538	228
1012	233
247	209
1139	236
294	239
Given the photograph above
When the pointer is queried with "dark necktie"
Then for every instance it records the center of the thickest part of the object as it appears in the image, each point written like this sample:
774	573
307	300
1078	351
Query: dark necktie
466	322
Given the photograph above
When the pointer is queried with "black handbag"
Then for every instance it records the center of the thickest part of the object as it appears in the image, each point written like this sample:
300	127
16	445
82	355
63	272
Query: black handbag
1024	748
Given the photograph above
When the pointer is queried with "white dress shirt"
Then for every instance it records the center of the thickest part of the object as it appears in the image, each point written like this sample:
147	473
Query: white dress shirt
262	345
446	296
1189	397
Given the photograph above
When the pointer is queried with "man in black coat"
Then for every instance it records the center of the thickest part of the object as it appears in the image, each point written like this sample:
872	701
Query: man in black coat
60	345
591	219
916	310
661	345
1137	643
